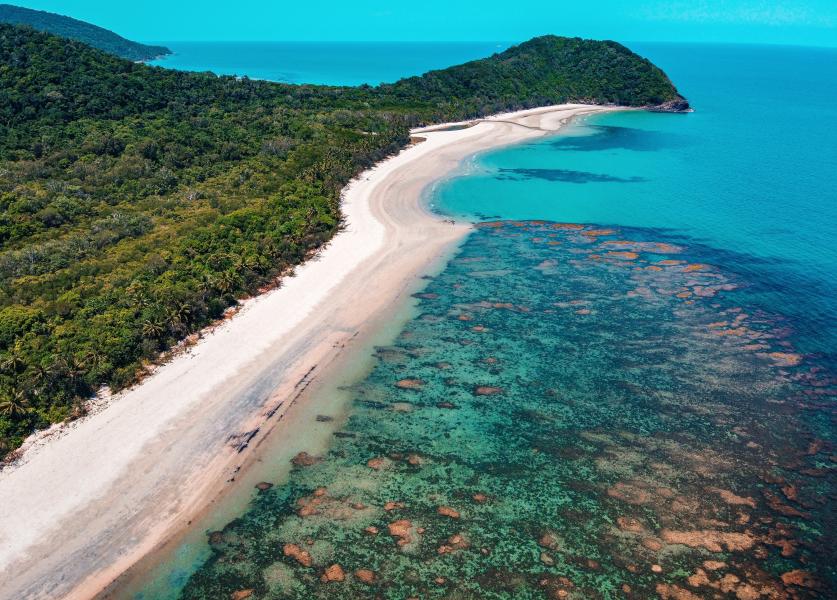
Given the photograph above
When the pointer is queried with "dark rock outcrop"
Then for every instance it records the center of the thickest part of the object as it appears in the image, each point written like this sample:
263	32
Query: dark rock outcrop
681	105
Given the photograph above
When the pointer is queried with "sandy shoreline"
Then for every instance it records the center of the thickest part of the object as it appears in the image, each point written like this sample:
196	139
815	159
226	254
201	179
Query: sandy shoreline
83	506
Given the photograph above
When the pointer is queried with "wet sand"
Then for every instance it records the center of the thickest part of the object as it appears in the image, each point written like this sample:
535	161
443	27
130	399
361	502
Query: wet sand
93	498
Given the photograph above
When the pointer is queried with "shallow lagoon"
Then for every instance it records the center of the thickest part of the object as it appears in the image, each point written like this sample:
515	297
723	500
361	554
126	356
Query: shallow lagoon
577	412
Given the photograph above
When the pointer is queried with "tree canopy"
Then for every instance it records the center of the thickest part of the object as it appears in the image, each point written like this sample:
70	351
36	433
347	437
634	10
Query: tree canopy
138	203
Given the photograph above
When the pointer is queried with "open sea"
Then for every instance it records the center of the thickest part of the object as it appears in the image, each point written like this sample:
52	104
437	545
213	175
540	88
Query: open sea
623	383
326	63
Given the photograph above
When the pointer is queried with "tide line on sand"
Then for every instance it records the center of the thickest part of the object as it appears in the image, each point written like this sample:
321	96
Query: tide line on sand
84	504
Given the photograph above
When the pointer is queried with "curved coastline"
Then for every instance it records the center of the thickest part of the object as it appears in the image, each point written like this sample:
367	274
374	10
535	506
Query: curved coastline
115	486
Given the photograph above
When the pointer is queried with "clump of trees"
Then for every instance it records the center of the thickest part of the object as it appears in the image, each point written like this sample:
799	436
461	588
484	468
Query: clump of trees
138	203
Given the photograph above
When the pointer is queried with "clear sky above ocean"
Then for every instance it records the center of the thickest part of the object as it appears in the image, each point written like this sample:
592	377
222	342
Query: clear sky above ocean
801	22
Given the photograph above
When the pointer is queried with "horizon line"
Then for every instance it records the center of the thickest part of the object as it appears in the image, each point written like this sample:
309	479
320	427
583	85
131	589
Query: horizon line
336	41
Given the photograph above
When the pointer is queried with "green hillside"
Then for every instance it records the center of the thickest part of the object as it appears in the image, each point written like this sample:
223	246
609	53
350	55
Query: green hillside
138	203
79	30
545	70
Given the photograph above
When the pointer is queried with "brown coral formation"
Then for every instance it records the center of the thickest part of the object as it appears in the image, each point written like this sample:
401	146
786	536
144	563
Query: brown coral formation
409	384
629	524
550	540
447	511
714	541
366	576
652	544
241	594
487	390
632	493
377	463
733	499
593	233
673	592
403	530
455	542
785	359
732	584
301	556
333	573
320	503
567	226
303	459
400	528
778	506
622	255
800	578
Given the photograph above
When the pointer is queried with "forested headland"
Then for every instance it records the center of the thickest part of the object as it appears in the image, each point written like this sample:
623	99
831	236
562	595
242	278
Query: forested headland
90	34
137	203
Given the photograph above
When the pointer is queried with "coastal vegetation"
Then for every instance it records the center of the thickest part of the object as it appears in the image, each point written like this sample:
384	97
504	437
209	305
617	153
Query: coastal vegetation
137	204
81	31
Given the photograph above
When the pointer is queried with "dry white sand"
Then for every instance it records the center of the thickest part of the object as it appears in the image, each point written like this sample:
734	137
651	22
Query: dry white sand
85	503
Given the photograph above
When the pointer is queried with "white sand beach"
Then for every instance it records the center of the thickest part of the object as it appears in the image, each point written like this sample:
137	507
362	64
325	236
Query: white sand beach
85	503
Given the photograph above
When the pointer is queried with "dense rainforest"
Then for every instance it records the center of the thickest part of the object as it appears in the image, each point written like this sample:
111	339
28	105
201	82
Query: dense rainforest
137	203
81	31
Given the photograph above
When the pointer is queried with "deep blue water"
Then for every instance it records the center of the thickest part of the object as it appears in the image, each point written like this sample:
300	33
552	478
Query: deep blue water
621	386
328	63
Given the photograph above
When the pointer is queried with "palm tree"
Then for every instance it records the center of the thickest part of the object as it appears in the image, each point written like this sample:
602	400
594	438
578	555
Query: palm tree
70	369
13	361
14	403
93	358
183	311
38	376
138	295
172	320
227	281
152	328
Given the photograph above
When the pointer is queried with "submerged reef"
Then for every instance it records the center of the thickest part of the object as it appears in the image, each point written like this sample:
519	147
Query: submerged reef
576	412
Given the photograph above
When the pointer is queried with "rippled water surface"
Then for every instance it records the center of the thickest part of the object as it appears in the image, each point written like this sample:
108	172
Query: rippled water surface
621	386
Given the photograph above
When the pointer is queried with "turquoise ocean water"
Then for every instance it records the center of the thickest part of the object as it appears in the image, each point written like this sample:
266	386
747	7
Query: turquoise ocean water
336	63
621	386
750	172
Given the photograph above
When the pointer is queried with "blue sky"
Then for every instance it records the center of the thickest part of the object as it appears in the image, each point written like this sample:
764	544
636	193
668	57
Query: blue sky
804	22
